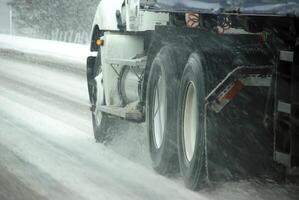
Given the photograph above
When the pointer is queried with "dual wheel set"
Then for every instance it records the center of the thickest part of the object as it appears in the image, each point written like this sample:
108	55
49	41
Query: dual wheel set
175	114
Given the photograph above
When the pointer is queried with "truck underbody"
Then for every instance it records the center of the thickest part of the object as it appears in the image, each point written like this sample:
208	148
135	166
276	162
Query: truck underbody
220	96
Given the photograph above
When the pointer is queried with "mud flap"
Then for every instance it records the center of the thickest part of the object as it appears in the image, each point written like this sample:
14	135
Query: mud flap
238	145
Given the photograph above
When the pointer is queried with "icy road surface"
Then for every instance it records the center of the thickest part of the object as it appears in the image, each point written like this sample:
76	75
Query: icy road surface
47	150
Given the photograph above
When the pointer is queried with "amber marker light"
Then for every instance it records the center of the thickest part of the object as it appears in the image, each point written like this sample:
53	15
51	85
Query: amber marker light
99	42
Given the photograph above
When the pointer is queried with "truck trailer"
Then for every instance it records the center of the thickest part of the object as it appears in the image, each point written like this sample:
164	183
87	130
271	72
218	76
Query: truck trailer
215	81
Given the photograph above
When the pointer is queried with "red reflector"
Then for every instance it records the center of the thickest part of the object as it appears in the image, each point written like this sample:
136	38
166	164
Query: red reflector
234	91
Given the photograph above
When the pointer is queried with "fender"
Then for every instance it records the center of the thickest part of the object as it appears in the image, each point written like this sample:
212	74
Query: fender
104	20
105	17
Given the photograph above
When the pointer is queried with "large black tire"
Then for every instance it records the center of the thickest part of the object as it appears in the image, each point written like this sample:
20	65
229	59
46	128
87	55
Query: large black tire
192	114
165	72
92	73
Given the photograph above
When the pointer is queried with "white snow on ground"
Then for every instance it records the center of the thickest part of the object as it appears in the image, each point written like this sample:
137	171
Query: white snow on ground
51	80
55	49
75	161
48	146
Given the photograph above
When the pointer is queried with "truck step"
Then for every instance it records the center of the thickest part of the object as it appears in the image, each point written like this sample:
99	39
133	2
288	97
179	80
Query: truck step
127	113
139	62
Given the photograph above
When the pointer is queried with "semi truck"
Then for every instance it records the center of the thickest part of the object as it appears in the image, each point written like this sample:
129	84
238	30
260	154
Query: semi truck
215	81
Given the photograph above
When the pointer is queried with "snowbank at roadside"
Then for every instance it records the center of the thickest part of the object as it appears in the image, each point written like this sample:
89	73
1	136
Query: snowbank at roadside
54	49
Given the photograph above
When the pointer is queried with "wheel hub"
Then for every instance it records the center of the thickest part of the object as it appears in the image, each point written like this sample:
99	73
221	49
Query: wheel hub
159	112
190	121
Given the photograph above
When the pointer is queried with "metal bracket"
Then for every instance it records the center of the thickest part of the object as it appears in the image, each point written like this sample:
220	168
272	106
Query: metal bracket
284	107
232	84
287	56
282	158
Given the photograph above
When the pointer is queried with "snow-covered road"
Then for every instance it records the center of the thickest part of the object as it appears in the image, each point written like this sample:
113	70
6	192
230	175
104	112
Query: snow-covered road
47	150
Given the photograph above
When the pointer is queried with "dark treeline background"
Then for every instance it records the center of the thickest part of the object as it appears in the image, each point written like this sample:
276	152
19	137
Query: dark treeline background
54	19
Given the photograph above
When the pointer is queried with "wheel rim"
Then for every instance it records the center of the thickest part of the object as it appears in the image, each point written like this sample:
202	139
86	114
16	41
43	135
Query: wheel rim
190	121
97	117
159	112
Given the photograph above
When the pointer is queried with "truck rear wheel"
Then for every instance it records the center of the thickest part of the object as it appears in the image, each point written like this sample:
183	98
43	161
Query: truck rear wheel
191	124
161	109
95	91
